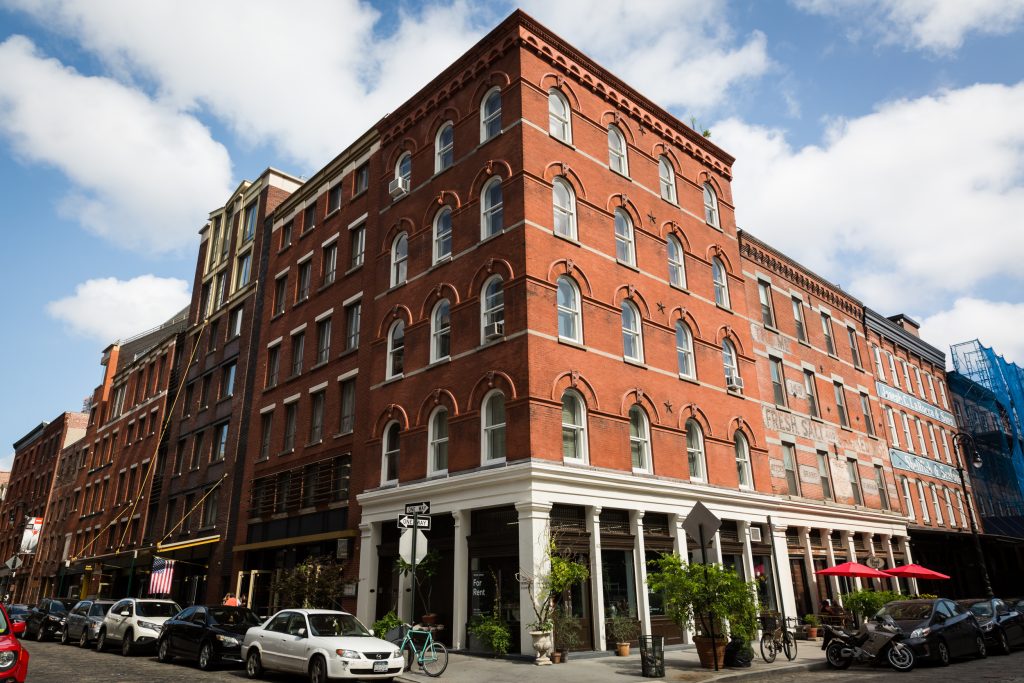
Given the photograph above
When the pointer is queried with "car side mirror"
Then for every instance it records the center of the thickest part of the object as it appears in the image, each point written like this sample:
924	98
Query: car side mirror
939	618
18	628
301	633
370	630
125	613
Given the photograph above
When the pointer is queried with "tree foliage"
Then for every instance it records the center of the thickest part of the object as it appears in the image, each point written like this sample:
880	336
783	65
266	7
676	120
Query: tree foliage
316	583
864	603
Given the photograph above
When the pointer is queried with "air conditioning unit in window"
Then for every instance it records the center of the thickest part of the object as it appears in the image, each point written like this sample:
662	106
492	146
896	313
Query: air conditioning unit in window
494	330
734	383
399	187
755	534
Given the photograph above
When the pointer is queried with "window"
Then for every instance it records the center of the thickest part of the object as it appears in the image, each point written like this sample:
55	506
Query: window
790	465
925	517
883	489
286	235
362	182
879	366
811	388
323	341
684	351
298	349
249	231
392	448
891	420
559	116
892	370
357	237
667	179
244	269
764	294
444	147
718	276
399	259
746	479
569	322
490	115
440	331
695	450
908	498
227	381
942	390
235	322
291	412
906	376
854	471
798	319
329	263
907	438
316	420
844	418
353	313
438	442
949	507
491	213
945	446
280	294
931	390
302	286
179	459
403	168
936	505
348	407
442	235
493	423
625	247
574	427
140	387
266	427
920	383
854	348
920	436
826	328
676	263
732	370
824	475
396	349
220	446
197	456
273	365
639	439
334	199
710	206
632	334
778	381
564	202
960	507
617	159
492	307
309	218
869	419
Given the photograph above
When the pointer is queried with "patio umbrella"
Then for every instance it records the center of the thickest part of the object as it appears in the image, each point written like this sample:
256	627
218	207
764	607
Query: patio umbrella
854	569
914	571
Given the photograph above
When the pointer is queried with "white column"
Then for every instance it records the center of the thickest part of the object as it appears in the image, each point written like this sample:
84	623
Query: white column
534	519
907	559
460	600
869	543
743	527
887	544
785	577
812	584
643	603
715	551
366	595
596	576
675	522
830	555
847	540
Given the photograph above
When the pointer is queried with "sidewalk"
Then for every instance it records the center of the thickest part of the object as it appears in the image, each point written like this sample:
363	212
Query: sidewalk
681	664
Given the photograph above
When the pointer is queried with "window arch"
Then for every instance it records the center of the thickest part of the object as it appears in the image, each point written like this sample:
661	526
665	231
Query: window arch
574	427
491	209
396	349
729	362
403	167
399	260
667	179
391	449
711	206
625	244
564	201
746	477
676	263
618	160
559	116
720	278
444	147
632	332
684	351
570	324
695	450
441	331
492	308
639	439
492	440
490	114
443	234
437	439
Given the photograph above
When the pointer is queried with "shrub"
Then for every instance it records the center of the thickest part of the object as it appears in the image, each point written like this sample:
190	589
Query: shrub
623	628
492	632
385	624
865	603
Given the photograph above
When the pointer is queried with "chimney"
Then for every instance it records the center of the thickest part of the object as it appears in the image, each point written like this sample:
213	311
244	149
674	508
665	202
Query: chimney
907	323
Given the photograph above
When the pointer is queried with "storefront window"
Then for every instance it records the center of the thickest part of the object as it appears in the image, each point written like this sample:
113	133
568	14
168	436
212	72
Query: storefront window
619	583
764	579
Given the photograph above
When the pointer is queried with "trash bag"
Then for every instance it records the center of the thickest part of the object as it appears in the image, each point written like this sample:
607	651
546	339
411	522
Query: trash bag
738	653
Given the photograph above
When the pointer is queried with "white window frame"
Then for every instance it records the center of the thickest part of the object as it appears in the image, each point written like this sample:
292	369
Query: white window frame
632	331
825	475
906	376
574	312
439	330
920	436
798	318
931	390
487	428
945	446
676	262
398	325
839	391
435	442
949	507
641	439
695	454
444	152
764	297
405	173
387	453
920	383
856	484
685	359
559	116
908	497
491	313
399	262
894	432
489	117
625	240
667	179
892	370
568	211
580	430
879	365
741	449
711	216
923	500
826	329
791	466
720	279
730	362
907	435
937	506
777	372
618	151
811	388
491	213
439	236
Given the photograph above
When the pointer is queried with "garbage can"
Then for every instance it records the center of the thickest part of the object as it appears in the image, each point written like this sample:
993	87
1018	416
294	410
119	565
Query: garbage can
652	656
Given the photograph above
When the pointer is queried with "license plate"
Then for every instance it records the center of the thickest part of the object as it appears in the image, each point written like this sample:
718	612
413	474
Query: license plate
380	667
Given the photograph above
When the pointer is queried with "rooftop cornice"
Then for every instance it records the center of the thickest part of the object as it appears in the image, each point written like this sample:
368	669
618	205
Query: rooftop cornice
896	334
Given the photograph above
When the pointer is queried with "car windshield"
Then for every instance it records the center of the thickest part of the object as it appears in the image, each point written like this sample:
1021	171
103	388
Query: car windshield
906	611
336	625
156	609
57	607
17	609
233	616
99	609
980	609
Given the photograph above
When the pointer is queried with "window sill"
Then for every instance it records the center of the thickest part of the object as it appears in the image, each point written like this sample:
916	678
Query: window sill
724	308
285	248
817	418
688	378
319	364
359	194
639	470
635	363
627	264
299	302
310	444
325	285
573	343
437	474
493	463
567	143
348	352
438	262
771	328
804	342
619	173
439	361
567	238
286	452
332	212
394	378
276	315
340	435
679	288
353	269
783	408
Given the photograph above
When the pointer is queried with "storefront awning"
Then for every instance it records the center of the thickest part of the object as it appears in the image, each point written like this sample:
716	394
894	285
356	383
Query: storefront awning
296	540
190	543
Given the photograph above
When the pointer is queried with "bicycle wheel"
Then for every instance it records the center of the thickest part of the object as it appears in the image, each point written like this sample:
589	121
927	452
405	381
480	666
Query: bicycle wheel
789	645
435	659
768	648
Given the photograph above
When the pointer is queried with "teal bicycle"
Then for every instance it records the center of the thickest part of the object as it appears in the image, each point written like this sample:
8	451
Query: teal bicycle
419	646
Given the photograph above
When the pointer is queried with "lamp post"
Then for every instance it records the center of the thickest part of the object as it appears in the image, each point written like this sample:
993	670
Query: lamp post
964	442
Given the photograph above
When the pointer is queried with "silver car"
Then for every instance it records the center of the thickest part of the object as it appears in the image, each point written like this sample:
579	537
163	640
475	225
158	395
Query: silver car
83	622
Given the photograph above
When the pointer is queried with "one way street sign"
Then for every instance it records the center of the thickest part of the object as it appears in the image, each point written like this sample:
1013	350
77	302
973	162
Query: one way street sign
407	522
417	508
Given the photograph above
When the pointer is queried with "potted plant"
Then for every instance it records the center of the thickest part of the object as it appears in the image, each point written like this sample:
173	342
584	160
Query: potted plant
812	622
388	627
568	633
564	573
425	571
492	631
703	598
622	628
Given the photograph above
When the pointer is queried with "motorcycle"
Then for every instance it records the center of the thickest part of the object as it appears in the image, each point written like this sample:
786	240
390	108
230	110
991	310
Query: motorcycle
880	643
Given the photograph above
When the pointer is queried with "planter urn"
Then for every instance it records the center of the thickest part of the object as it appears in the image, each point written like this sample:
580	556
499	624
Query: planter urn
542	646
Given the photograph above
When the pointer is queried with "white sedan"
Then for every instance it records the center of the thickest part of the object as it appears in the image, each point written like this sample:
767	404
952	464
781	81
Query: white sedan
324	644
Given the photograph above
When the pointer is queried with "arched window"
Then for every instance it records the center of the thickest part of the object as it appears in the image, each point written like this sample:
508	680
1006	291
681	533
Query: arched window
574	427
493	438
559	116
443	234
695	450
710	206
492	308
399	260
437	462
617	159
684	351
491	215
935	504
667	179
440	331
632	334
490	115
403	169
389	459
396	349
729	362
444	147
720	278
676	264
746	478
564	201
949	507
569	319
625	247
639	439
923	501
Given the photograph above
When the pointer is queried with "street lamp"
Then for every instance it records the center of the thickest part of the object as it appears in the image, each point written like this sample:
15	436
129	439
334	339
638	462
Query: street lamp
962	442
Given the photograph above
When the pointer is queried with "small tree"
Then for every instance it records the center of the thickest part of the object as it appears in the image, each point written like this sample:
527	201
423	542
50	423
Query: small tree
316	583
865	603
544	589
425	571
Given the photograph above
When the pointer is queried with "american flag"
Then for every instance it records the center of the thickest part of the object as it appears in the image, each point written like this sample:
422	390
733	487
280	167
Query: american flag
160	579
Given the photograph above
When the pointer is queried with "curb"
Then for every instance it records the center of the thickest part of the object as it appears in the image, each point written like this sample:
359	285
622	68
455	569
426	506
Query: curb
761	674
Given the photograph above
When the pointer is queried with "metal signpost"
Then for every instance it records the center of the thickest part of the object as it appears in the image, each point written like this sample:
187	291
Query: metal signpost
699	522
416	517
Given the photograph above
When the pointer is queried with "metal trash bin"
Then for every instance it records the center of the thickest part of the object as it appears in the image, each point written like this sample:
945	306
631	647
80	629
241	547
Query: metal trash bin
652	656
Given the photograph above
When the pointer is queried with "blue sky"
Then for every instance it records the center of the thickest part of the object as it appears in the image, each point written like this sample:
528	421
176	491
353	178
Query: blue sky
881	142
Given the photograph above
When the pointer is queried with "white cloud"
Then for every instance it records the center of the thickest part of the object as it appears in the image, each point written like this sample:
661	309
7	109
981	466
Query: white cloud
938	26
905	206
108	309
144	176
997	324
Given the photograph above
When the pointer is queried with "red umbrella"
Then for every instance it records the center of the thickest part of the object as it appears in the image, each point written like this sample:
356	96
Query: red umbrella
915	571
853	569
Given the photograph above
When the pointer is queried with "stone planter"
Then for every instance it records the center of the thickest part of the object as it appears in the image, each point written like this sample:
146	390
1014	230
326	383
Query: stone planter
542	646
707	653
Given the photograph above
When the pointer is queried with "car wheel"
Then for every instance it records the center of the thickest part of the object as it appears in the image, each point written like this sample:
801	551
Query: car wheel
979	646
942	653
83	640
101	640
253	665
163	651
318	670
64	639
206	657
126	644
40	634
1002	644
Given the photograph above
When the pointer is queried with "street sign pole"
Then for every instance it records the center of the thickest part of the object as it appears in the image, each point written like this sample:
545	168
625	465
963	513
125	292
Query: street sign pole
415	533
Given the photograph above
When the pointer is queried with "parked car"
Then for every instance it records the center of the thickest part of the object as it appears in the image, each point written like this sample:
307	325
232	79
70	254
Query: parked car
1016	604
937	630
322	644
83	622
207	634
13	657
17	614
1003	627
46	619
135	624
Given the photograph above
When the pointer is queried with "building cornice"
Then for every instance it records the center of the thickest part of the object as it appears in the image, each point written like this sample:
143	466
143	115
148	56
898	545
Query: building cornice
887	329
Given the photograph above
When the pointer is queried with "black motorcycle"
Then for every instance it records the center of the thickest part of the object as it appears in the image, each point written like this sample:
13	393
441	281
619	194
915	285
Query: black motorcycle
880	642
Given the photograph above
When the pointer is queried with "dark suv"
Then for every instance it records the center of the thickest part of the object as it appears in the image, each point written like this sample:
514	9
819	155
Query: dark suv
46	619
